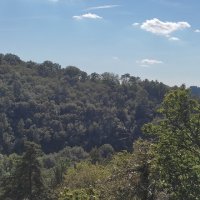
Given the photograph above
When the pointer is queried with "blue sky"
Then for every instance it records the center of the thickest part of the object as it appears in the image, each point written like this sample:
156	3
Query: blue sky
154	39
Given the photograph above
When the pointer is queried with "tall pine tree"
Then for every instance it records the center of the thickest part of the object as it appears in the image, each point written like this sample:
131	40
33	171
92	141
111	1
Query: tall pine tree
26	182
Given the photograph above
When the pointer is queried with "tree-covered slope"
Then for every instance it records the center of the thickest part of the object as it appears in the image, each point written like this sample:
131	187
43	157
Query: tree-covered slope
58	107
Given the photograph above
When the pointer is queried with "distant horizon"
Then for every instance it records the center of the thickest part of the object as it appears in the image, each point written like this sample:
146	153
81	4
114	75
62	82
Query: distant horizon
150	39
71	65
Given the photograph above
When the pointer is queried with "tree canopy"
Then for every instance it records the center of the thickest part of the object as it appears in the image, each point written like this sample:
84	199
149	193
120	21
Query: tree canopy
57	107
176	151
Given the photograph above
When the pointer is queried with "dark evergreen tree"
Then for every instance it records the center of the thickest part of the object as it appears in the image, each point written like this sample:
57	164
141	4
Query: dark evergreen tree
26	182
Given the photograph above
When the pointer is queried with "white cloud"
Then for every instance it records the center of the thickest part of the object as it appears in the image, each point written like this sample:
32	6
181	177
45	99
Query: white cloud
136	24
102	7
158	27
197	31
173	39
148	62
87	16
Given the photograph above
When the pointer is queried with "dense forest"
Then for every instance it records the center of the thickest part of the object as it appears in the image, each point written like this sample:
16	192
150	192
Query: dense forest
69	135
58	107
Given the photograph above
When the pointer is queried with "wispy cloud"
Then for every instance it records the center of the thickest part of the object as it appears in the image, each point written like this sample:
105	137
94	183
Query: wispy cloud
87	16
148	62
159	27
174	39
102	7
136	24
197	31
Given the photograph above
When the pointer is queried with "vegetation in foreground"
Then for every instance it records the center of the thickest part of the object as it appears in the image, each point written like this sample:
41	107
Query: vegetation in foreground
164	167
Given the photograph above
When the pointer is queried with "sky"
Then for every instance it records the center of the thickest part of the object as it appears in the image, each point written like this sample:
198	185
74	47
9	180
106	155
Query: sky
153	39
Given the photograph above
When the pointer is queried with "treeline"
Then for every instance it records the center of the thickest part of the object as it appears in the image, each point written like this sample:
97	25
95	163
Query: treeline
58	107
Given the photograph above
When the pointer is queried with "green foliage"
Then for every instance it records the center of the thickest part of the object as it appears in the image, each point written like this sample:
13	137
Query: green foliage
81	181
125	176
85	175
129	175
176	151
167	168
102	154
58	107
79	194
106	151
11	59
25	181
95	156
58	172
7	168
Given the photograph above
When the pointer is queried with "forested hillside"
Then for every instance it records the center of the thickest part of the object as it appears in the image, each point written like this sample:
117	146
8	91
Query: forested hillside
66	134
59	107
